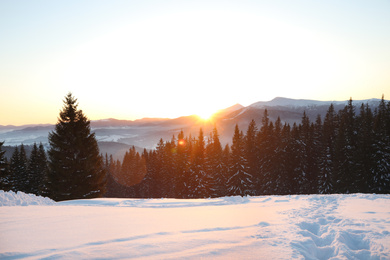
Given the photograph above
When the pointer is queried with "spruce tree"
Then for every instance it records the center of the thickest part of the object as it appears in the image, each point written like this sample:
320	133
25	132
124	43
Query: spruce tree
5	181
76	168
327	157
382	148
216	167
278	159
265	181
182	165
201	179
240	181
346	142
18	170
365	151
251	151
43	170
33	175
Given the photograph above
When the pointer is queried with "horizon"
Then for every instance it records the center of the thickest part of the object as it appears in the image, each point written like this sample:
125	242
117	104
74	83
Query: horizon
202	118
176	58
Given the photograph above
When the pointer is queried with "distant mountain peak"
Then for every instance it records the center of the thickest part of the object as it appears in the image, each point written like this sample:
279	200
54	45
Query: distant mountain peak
295	103
228	110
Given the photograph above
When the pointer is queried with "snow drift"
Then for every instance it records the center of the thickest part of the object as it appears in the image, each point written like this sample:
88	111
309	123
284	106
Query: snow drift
22	199
353	226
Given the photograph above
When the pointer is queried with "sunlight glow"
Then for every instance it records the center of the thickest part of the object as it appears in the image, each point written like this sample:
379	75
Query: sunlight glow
206	115
133	59
197	55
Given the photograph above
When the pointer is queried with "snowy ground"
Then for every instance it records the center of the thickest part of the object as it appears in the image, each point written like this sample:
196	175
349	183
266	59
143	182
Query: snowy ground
271	227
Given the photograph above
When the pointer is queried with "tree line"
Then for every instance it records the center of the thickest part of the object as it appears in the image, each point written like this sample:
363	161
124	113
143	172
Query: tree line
23	173
346	152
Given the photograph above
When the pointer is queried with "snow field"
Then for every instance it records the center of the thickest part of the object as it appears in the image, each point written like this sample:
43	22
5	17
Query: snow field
267	227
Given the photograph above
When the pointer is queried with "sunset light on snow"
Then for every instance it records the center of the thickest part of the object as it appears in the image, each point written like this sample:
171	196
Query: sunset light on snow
207	129
152	59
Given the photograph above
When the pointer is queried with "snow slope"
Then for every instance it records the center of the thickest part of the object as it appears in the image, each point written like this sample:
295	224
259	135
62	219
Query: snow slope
353	226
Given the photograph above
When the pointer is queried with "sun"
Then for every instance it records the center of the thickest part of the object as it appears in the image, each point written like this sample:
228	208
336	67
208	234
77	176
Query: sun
205	115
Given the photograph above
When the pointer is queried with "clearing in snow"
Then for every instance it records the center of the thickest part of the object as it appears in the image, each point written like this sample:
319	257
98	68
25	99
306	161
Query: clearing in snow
355	226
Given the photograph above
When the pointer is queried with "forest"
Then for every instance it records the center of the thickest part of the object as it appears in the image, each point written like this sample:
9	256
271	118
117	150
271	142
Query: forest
348	151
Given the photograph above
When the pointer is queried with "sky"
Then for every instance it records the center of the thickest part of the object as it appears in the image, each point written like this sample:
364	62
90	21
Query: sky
136	59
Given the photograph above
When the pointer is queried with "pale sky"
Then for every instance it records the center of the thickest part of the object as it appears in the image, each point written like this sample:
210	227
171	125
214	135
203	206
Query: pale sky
135	59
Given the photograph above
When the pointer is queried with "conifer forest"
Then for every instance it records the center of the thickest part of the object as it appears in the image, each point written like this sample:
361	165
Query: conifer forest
348	151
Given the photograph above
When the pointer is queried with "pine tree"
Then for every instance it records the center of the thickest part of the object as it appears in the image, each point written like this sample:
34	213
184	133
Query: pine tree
36	174
170	175
5	178
149	182
327	157
201	186
309	165
251	151
240	182
346	146
382	148
365	151
216	167
182	166
76	168
295	154
18	170
318	151
279	158
160	176
265	181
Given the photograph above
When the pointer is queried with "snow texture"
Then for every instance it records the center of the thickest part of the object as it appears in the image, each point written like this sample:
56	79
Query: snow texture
22	199
355	226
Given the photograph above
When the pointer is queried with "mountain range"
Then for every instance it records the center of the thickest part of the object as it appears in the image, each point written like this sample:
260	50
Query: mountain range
117	136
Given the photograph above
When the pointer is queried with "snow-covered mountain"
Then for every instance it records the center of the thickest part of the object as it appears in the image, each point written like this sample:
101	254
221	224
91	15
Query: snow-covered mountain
280	102
117	136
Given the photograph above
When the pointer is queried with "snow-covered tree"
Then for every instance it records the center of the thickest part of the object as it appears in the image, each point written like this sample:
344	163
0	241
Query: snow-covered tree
240	181
201	180
381	176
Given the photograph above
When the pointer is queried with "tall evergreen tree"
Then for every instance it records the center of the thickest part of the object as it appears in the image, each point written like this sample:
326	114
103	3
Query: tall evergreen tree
215	166
251	151
76	168
18	170
240	181
182	166
279	159
346	146
309	165
201	179
265	142
327	159
36	171
382	148
365	151
5	178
